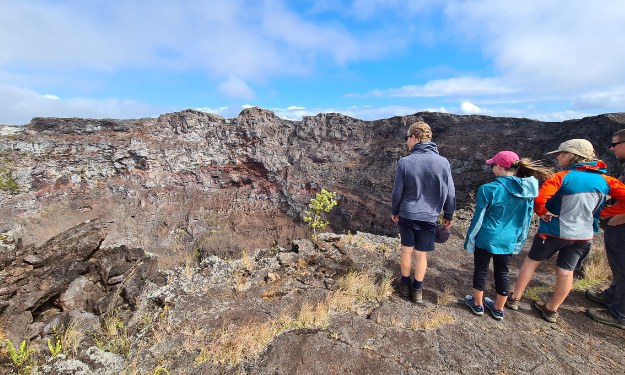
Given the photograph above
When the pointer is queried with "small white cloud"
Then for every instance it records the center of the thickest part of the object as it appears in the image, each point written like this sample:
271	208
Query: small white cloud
295	108
216	111
51	97
446	87
611	100
236	88
246	106
439	109
469	108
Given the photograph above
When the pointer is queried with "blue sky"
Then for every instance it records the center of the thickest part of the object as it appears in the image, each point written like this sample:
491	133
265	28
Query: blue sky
369	59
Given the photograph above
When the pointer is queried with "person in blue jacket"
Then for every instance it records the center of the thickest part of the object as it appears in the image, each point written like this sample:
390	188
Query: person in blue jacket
500	225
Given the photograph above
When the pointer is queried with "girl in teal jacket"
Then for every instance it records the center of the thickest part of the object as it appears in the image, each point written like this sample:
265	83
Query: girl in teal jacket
500	225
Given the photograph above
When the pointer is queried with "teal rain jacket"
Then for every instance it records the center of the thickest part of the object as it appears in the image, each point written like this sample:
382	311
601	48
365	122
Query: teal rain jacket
502	217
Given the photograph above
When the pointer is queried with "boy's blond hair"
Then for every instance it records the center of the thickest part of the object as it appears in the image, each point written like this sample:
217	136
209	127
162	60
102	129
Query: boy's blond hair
421	131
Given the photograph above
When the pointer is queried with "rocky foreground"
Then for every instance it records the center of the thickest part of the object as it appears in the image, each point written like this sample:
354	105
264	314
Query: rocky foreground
326	306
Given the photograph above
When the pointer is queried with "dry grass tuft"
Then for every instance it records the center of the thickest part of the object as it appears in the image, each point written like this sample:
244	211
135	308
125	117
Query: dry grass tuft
361	287
388	322
234	345
433	319
309	316
71	339
446	297
248	263
113	334
596	269
534	293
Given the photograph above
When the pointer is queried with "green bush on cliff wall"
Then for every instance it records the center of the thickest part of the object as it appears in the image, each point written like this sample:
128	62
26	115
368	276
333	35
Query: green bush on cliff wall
7	182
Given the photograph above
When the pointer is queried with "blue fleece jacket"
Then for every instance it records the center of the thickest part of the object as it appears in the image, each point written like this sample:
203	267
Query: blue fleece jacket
503	212
423	185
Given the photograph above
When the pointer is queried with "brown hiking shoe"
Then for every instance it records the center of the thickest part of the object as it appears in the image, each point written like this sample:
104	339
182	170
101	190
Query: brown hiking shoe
417	294
604	316
598	297
548	315
403	289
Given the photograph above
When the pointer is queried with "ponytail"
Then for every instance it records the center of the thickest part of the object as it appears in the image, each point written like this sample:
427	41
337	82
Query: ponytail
527	167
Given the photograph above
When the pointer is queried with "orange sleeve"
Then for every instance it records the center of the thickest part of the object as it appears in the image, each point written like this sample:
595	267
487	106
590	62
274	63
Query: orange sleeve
548	189
617	191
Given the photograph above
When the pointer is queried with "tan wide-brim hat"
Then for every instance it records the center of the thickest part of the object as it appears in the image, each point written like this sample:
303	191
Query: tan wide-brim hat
580	147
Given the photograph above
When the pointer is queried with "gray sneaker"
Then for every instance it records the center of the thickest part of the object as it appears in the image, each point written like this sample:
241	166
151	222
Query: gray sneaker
604	316
598	297
548	315
512	304
417	294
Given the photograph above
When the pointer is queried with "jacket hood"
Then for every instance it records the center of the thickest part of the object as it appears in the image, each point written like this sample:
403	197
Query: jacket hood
423	147
596	166
520	187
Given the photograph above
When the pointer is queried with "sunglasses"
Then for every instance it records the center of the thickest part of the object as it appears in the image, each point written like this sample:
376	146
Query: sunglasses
613	144
408	136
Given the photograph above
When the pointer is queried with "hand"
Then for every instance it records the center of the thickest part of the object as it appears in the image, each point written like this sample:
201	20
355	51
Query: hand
395	218
547	217
447	223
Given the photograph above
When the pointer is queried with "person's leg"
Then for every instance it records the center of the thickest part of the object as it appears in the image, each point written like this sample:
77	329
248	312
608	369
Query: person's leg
481	260
423	243
405	260
568	258
502	279
564	283
542	248
614	243
420	265
526	273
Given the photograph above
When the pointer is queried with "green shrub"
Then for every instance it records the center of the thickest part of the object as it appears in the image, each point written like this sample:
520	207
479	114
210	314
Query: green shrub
7	182
320	205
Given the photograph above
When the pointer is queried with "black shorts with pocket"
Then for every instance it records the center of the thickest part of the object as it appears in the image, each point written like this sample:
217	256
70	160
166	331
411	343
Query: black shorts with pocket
417	234
569	252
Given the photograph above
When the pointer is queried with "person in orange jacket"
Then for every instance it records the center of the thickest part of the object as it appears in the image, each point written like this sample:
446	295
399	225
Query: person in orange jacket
569	204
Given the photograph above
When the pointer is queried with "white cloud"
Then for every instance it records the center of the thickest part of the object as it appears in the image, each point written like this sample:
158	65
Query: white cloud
216	111
447	87
245	38
19	105
234	87
294	107
469	108
51	97
547	47
607	99
439	109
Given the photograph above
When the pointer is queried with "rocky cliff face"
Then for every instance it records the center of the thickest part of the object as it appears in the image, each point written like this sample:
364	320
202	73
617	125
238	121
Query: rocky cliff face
192	180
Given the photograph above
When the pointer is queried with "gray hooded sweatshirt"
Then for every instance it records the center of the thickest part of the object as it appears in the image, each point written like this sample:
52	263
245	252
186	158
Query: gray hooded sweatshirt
423	185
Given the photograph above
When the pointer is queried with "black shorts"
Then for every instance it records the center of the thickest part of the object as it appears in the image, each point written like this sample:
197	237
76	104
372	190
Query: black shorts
417	234
569	252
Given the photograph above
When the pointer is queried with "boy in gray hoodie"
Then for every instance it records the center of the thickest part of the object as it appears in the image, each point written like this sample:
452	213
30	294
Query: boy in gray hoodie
423	188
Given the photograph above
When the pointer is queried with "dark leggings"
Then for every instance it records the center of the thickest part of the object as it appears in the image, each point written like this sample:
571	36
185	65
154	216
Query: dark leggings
481	260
